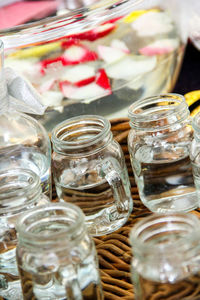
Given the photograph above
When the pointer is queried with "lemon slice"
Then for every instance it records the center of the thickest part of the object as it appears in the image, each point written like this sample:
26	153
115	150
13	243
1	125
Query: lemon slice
137	13
36	51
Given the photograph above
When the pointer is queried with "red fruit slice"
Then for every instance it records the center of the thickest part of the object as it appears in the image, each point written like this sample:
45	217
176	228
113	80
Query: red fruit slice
85	81
46	63
94	34
102	80
78	75
72	41
76	54
86	93
100	31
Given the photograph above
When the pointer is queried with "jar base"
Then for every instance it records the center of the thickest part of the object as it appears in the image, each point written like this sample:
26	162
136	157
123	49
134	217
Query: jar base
101	226
182	203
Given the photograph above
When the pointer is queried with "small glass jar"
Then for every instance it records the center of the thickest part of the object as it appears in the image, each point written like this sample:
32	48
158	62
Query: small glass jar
166	251
89	170
159	144
66	266
195	153
20	190
24	143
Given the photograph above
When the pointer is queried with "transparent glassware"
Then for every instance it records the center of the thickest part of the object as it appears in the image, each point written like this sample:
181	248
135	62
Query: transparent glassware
89	170
20	190
97	57
24	142
159	144
165	262
195	153
66	267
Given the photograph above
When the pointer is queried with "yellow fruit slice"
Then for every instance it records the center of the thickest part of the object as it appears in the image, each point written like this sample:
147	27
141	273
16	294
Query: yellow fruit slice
136	14
36	51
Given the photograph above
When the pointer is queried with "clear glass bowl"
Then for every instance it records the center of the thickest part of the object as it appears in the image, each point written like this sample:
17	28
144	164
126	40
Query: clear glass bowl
98	57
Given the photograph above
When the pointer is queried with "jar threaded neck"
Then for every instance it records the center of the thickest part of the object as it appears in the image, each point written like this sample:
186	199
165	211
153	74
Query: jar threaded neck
56	225
159	112
87	133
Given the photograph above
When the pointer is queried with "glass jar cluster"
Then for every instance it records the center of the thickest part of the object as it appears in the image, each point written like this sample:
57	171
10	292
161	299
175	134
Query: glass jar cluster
94	198
164	146
90	172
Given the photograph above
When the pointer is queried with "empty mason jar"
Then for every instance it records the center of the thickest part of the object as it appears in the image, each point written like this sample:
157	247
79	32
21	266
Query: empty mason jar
66	265
166	251
89	170
20	190
195	153
159	144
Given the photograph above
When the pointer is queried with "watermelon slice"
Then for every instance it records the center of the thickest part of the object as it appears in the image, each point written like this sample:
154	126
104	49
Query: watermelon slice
76	54
90	91
79	75
87	88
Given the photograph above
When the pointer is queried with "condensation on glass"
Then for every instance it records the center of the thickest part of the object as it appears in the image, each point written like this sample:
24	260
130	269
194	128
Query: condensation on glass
159	144
89	170
56	256
166	250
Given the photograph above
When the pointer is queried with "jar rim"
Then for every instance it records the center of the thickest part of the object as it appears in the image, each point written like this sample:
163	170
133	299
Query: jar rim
29	192
140	117
80	120
52	237
136	233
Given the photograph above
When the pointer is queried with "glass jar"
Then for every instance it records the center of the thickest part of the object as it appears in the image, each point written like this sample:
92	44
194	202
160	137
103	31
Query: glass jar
20	190
24	142
66	266
165	262
89	170
195	153
159	143
96	57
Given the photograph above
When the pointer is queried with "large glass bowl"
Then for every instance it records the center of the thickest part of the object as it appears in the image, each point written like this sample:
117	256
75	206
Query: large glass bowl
98	57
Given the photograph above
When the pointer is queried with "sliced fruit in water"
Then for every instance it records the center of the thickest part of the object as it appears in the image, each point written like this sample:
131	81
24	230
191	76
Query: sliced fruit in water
163	46
110	54
76	54
102	80
131	66
79	74
87	92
